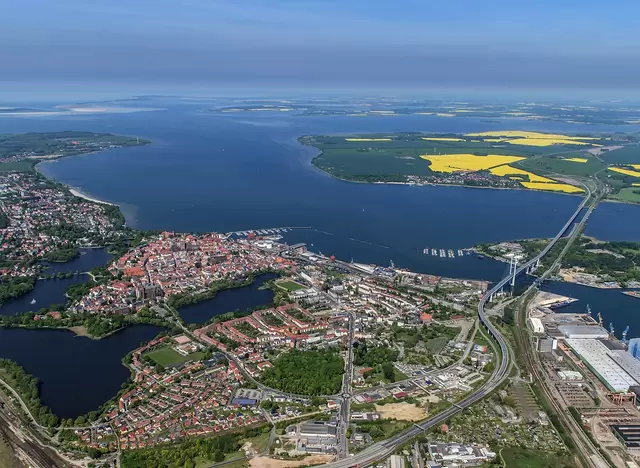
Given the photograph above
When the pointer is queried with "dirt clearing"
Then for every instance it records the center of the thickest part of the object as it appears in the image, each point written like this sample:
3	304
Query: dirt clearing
266	462
401	411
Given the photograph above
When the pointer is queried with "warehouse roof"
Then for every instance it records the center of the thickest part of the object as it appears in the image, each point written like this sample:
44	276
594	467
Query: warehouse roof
602	362
583	331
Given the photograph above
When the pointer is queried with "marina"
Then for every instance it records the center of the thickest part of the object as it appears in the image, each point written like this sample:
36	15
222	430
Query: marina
267	232
446	253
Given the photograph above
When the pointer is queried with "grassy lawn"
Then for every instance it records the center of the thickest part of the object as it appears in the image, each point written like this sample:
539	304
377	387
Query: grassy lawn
168	357
202	462
525	458
383	429
7	454
259	442
290	286
20	166
436	345
399	375
628	194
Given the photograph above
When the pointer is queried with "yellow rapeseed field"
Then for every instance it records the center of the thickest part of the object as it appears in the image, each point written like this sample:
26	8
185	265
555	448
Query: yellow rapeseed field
635	184
494	140
517	137
566	188
576	160
467	162
544	142
635	166
443	139
509	170
368	139
523	134
628	172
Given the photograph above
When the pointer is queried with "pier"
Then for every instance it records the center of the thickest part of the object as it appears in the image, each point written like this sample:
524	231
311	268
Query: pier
267	231
446	253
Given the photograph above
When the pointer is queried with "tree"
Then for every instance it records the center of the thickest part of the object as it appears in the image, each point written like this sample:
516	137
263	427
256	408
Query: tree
388	371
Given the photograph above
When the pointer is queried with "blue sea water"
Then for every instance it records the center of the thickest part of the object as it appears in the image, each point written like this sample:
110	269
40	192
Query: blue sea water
207	171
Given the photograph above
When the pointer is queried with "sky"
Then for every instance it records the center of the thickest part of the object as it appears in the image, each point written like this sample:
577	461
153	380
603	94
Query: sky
391	44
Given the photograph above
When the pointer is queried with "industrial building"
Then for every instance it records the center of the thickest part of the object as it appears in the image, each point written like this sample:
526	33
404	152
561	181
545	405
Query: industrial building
317	429
536	325
395	461
611	367
547	345
569	375
459	454
583	332
634	347
629	435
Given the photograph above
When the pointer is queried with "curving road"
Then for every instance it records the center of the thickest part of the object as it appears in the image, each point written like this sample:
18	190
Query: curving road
385	448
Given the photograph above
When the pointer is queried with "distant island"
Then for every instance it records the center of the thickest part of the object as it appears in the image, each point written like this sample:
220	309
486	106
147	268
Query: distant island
611	113
21	152
498	159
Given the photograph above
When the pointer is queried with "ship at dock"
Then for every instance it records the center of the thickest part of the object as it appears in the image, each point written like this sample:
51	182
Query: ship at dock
635	294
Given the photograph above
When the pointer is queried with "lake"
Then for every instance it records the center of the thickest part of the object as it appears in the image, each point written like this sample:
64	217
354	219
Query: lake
77	374
52	291
86	261
229	300
45	293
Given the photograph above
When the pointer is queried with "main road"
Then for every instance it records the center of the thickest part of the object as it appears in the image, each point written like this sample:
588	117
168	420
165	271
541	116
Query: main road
385	448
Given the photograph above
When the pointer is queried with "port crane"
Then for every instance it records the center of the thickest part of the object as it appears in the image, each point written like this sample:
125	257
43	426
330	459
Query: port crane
589	310
600	318
611	329
624	335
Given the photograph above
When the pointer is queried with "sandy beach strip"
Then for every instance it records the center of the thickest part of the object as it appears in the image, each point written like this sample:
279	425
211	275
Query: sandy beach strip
78	193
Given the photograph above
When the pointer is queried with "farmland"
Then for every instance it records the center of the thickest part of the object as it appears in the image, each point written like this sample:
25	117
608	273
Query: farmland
467	162
499	159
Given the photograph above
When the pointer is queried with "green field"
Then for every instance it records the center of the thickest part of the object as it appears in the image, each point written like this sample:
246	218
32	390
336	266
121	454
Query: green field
290	286
167	357
557	165
628	194
628	155
525	458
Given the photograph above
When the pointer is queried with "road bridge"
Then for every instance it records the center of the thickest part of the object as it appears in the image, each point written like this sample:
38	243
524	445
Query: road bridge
385	448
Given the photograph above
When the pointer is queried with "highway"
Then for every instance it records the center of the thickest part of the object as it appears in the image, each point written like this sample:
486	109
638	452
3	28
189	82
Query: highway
385	448
345	406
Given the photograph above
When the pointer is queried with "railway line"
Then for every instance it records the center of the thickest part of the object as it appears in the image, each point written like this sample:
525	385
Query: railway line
385	448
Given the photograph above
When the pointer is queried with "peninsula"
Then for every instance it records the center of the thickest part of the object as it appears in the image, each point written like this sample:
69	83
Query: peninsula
21	152
497	159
